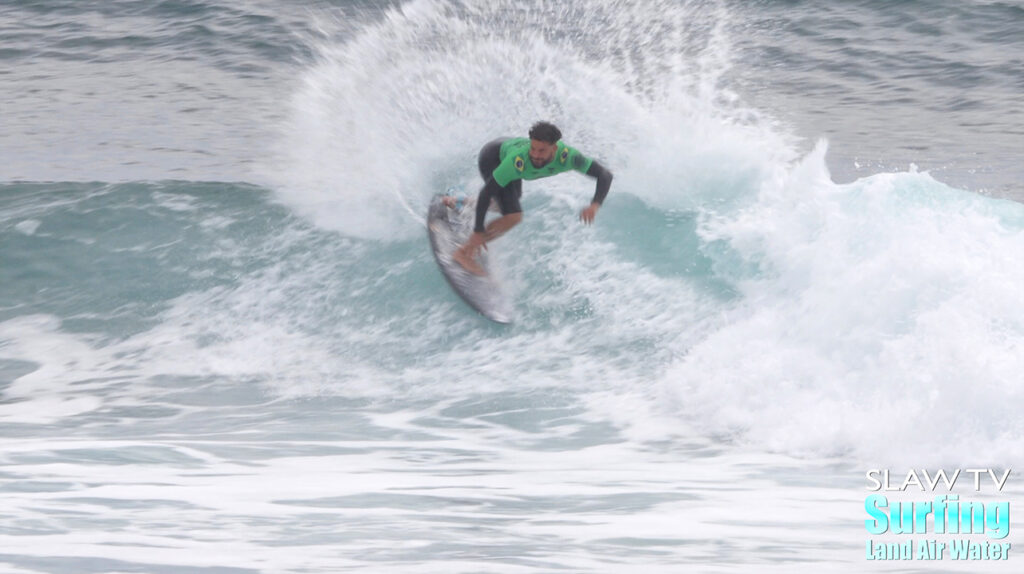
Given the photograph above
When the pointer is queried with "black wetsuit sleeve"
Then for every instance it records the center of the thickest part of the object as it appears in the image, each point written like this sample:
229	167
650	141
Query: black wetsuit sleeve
604	181
483	201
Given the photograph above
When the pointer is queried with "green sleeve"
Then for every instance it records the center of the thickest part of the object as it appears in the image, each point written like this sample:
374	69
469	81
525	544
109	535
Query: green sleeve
578	161
509	170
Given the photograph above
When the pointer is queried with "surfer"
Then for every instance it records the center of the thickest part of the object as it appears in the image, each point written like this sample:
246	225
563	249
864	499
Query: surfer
504	163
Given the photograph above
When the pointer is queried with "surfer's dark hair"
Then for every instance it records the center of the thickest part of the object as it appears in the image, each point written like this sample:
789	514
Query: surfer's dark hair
545	132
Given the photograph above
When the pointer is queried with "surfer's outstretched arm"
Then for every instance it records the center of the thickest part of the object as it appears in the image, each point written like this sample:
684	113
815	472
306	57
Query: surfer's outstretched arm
604	183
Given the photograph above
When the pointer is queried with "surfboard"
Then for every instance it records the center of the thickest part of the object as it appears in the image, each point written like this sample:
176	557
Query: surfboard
448	229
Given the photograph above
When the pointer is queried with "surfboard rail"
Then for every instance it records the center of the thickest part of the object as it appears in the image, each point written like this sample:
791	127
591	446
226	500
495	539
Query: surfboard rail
448	229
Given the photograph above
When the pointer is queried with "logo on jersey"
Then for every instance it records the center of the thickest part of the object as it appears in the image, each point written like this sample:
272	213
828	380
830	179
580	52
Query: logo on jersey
564	156
519	164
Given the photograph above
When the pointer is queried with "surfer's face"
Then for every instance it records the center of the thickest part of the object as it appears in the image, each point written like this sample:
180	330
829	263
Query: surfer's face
541	152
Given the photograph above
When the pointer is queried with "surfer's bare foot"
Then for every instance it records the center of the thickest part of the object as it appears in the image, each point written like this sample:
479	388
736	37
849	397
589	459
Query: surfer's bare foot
463	258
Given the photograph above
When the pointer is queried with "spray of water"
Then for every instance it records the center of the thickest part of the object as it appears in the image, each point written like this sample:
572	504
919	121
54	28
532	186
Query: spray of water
396	111
766	302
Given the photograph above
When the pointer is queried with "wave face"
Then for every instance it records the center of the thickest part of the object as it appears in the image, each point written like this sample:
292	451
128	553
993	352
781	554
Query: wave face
732	273
225	345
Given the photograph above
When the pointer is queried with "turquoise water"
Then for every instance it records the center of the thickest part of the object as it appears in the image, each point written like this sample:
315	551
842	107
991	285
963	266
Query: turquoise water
225	345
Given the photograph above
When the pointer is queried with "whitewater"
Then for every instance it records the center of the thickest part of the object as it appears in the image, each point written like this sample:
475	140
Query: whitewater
225	346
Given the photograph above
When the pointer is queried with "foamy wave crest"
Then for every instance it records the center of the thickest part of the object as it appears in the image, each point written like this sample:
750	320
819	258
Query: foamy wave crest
882	317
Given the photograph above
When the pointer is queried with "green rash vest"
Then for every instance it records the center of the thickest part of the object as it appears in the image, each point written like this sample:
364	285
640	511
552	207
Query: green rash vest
515	162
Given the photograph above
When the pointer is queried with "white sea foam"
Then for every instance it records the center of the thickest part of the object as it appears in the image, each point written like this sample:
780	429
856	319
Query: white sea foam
883	314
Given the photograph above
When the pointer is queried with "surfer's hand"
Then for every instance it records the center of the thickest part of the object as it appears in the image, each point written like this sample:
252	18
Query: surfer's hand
587	215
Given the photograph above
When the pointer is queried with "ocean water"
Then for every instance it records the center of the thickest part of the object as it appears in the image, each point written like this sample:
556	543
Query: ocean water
225	346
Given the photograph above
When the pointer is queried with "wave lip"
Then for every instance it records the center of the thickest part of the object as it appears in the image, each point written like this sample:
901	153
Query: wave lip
884	314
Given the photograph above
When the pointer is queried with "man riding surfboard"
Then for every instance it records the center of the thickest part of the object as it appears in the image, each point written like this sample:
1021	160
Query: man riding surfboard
504	163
